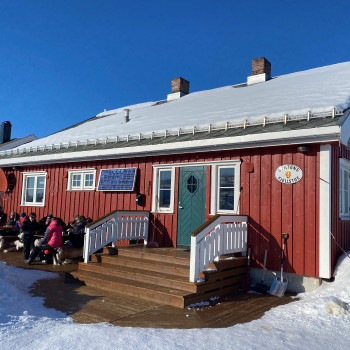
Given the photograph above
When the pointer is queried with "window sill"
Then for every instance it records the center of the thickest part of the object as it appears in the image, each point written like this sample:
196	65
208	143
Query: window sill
32	205
163	211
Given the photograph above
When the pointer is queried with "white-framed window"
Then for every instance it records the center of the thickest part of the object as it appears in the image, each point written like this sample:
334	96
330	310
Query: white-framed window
344	189
33	189
163	193
225	188
81	179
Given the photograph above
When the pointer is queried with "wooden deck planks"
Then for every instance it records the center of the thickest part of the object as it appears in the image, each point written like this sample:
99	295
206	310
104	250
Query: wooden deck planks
89	305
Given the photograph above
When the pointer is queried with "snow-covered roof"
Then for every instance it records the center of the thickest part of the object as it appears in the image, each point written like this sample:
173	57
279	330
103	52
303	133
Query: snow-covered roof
315	90
317	93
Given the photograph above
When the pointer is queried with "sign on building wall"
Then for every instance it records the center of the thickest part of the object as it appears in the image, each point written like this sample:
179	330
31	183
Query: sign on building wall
288	174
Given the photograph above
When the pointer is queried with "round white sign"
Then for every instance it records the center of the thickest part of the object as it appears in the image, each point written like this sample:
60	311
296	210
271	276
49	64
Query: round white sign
288	174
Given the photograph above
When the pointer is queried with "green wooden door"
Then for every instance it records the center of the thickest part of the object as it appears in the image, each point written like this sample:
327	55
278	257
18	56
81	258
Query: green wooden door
191	206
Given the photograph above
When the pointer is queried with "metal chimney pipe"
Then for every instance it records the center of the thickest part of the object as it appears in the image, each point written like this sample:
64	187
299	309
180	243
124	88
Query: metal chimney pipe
126	115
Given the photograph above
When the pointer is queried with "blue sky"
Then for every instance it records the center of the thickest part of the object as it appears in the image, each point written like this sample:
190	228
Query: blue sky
63	61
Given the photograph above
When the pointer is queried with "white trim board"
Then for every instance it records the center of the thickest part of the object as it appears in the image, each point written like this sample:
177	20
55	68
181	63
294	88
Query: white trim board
322	134
325	212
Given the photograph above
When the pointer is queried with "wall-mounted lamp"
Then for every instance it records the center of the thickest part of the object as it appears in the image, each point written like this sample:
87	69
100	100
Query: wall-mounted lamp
304	148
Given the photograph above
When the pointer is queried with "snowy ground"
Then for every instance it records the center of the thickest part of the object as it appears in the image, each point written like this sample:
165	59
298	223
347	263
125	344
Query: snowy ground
320	320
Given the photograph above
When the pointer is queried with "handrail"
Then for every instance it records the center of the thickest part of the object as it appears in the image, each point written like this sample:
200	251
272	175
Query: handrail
222	234
115	226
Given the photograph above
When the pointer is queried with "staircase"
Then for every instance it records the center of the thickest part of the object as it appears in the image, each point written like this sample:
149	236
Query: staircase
160	274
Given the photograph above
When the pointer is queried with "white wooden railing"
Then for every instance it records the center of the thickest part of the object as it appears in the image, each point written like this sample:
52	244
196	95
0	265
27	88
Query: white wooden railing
220	235
117	226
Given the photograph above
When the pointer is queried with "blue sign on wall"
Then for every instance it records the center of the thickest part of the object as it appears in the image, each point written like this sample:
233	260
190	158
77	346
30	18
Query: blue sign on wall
122	179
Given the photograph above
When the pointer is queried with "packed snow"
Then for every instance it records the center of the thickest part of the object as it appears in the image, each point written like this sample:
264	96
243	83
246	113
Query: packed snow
320	320
316	90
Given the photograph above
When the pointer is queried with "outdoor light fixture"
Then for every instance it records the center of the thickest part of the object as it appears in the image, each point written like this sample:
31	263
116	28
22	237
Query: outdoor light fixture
304	148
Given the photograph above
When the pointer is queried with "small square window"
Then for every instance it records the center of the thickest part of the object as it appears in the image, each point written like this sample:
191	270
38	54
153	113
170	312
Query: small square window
81	180
89	180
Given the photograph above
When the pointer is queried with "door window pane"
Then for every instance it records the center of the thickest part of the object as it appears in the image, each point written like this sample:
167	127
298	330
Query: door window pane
192	184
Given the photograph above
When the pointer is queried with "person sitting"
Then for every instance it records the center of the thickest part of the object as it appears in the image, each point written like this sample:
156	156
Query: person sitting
52	239
44	223
12	222
22	217
28	227
76	232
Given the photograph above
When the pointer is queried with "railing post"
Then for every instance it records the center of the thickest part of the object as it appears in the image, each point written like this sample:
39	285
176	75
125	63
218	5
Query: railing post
194	261
86	245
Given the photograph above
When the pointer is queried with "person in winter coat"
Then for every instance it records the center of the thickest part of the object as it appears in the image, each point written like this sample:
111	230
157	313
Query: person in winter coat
44	223
28	227
12	222
52	239
76	232
22	217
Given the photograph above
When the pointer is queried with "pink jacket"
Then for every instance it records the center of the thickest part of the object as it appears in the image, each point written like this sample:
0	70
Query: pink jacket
54	238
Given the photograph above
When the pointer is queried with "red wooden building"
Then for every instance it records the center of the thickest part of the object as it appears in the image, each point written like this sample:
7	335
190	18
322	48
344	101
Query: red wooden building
273	149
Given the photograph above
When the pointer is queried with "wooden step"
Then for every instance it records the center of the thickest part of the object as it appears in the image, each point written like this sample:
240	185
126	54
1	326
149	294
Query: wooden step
197	298
161	275
226	263
205	287
169	255
156	266
159	294
142	275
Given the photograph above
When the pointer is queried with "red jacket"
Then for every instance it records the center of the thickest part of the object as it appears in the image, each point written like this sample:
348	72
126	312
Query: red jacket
54	238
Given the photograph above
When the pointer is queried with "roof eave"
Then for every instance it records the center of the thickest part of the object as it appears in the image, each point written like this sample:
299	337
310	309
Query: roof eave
303	136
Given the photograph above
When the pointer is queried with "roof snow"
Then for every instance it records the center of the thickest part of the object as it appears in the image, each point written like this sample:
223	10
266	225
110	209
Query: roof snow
316	90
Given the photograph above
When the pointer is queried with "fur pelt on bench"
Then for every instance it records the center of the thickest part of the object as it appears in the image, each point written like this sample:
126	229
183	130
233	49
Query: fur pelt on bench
11	246
69	253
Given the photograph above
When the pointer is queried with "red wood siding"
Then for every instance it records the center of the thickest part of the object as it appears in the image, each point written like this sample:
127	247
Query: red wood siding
273	208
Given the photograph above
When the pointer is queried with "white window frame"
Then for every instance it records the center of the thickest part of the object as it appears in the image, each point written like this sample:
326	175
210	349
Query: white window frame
344	193
214	205
156	182
35	174
83	173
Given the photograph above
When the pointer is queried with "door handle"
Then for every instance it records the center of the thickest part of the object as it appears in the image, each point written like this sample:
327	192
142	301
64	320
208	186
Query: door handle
180	207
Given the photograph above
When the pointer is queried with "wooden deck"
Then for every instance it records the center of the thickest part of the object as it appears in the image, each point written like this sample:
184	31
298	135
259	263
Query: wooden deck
89	305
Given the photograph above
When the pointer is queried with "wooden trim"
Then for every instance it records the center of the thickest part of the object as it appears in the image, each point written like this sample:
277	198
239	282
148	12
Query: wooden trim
202	227
325	212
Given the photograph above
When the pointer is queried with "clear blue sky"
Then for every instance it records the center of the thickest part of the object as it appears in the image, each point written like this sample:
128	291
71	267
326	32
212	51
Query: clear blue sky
63	61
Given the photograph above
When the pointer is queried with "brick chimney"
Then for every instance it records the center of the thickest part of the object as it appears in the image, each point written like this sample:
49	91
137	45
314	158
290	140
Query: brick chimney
261	71
179	87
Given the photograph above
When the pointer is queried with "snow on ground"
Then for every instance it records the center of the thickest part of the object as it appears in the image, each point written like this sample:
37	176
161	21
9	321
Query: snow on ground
315	90
320	320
